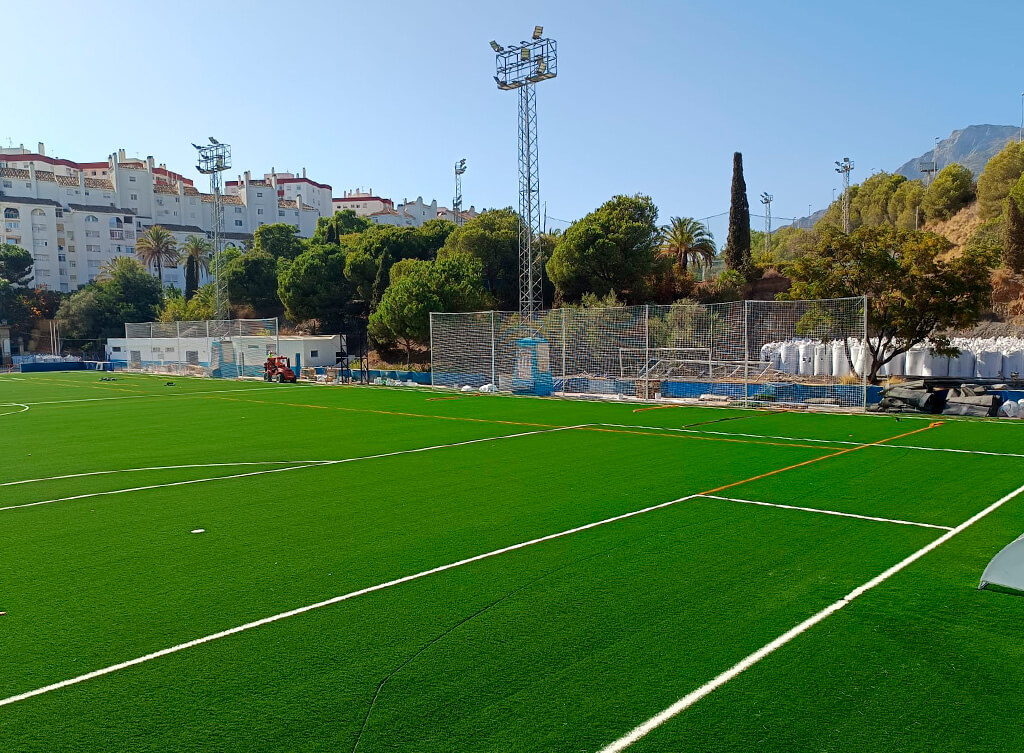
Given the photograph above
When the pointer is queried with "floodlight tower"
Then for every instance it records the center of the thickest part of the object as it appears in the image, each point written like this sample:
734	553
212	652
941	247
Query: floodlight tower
214	159
460	168
522	67
844	168
766	199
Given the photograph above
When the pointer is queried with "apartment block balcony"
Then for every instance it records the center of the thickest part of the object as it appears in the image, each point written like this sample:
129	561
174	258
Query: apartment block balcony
117	235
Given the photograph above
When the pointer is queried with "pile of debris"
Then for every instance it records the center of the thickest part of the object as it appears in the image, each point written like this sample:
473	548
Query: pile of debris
925	396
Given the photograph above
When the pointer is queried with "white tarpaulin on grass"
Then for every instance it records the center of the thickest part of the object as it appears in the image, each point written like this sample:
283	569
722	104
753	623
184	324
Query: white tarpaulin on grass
1007	568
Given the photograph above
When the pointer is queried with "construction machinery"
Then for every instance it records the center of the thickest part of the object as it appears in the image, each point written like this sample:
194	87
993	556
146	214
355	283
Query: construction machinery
278	369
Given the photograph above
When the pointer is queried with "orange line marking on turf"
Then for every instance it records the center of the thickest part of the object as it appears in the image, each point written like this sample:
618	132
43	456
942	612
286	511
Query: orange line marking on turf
659	407
848	450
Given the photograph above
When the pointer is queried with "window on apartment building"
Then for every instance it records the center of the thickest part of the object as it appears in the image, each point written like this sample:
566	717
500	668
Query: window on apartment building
259	194
238	223
134	197
93	172
160	202
8	184
280	213
177	199
28	184
62	257
91	218
92	233
92	249
73	264
259	211
129	249
238	210
12	214
314	354
59	212
131	178
86	193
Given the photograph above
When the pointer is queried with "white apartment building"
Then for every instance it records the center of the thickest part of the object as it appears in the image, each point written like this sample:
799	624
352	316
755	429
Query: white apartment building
363	203
75	217
407	214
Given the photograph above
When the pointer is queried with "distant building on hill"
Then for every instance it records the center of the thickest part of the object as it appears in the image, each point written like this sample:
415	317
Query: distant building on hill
74	217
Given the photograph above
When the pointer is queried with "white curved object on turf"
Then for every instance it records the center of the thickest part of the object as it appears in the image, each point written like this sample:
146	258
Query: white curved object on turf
1006	569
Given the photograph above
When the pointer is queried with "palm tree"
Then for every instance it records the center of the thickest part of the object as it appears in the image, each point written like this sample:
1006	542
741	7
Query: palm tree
157	247
197	258
687	240
118	264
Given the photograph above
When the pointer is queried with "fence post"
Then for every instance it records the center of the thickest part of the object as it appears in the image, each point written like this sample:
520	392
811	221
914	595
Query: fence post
647	352
431	327
494	376
565	347
746	356
864	374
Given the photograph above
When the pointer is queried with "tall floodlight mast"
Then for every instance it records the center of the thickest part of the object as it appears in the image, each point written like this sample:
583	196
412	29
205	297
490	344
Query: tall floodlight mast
522	67
844	168
214	159
460	168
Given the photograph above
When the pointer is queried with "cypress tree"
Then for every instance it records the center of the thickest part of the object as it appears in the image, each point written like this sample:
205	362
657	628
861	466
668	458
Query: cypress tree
737	247
1013	242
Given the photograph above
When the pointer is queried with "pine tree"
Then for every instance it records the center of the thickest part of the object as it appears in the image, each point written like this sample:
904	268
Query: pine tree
737	247
1013	242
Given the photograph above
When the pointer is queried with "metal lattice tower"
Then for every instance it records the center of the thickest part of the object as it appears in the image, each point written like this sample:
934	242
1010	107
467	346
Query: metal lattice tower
766	199
522	67
213	160
460	168
844	168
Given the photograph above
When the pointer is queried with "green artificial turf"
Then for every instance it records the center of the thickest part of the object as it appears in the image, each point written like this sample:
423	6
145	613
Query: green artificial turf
563	645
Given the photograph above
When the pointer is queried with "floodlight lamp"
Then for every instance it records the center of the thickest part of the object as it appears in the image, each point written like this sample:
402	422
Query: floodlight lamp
538	32
496	47
214	141
524	54
542	66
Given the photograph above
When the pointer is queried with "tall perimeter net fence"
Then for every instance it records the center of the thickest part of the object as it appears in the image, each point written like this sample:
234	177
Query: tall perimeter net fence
746	352
224	349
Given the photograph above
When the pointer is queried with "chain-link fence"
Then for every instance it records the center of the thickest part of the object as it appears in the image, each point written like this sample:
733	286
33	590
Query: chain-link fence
226	349
754	352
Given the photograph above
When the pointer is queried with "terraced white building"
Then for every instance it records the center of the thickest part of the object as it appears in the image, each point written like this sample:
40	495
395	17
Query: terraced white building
73	217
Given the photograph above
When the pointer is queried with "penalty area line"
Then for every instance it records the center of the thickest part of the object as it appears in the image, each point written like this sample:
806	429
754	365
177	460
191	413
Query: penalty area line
829	512
442	568
709	687
300	465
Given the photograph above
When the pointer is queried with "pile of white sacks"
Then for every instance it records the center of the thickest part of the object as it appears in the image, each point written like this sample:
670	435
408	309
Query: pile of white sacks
980	358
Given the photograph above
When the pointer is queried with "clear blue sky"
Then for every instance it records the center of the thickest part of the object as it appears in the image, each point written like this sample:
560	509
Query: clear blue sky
652	96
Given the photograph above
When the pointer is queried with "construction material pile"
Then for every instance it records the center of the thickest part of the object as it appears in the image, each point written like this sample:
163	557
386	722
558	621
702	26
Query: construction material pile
980	358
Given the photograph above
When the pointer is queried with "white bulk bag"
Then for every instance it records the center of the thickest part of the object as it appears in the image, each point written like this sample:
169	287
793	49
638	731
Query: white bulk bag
988	364
963	365
822	360
1013	363
915	361
806	365
840	363
789	354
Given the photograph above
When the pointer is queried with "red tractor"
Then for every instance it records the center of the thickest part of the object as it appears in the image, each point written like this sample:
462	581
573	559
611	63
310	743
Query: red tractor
278	369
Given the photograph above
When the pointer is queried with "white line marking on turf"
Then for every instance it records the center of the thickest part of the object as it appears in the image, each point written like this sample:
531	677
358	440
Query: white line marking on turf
335	600
12	412
688	700
828	512
156	394
820	441
315	464
158	468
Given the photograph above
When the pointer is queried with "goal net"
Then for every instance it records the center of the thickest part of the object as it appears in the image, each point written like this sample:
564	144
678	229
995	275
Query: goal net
222	349
751	352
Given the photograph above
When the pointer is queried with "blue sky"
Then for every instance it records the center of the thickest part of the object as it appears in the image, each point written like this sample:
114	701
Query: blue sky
652	96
